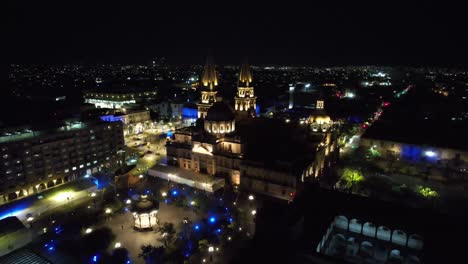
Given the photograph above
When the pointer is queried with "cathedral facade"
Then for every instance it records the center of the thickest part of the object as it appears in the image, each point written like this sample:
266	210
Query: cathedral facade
226	143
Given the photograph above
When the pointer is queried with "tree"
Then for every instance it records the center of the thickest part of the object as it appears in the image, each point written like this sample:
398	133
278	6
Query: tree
351	178
152	254
202	244
167	233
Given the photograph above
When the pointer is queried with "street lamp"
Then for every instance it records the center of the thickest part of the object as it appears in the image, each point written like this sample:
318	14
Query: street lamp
108	211
254	212
251	197
117	245
210	249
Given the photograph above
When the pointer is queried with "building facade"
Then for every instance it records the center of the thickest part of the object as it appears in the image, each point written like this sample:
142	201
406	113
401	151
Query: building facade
134	121
215	147
117	99
33	161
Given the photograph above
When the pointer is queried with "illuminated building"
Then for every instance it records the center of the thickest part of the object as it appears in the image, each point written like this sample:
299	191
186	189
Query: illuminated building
35	160
117	98
134	121
245	99
319	120
419	147
258	155
208	95
144	213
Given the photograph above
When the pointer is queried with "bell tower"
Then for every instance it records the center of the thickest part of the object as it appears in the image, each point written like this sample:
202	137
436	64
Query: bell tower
245	99
209	82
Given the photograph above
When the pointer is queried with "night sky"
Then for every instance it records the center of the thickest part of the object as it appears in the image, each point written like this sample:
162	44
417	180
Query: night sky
334	33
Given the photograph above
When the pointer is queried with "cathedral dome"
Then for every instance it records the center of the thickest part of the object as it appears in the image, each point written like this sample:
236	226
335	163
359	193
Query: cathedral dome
220	111
319	116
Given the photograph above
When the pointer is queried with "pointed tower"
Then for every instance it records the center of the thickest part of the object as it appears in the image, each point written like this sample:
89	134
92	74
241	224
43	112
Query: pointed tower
245	98
209	82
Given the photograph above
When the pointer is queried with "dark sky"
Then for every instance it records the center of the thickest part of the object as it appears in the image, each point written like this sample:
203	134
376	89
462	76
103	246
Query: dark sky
330	33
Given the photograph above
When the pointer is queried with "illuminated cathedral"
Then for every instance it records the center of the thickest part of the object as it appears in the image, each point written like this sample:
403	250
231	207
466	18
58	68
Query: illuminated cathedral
228	143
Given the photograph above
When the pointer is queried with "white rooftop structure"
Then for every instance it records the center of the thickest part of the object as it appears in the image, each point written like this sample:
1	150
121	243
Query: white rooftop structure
187	177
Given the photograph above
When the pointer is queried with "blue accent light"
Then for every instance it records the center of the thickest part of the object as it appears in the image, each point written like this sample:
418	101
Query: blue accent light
95	258
111	118
212	219
52	248
197	227
218	230
230	220
174	192
189	112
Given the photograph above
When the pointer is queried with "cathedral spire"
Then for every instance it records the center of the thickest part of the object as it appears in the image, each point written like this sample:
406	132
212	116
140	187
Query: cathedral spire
245	76
245	99
209	78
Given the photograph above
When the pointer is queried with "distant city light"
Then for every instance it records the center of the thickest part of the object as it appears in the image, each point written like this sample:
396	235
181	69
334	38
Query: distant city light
307	85
430	153
350	95
93	194
108	211
210	249
117	245
251	197
192	203
30	219
164	194
254	212
88	230
229	238
128	201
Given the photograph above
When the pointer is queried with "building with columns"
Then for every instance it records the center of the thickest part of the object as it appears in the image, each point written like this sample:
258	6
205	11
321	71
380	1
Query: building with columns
35	160
257	154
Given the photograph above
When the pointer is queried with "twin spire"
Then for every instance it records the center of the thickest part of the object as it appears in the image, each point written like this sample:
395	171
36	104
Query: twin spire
210	78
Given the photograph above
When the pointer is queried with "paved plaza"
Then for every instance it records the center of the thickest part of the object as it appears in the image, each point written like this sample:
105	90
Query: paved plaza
132	239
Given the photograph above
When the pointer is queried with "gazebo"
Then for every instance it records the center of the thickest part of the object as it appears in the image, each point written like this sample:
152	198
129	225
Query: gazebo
144	213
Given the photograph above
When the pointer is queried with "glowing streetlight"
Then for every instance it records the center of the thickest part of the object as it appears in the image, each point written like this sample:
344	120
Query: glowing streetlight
30	219
210	249
128	201
251	197
164	194
88	230
117	245
254	212
192	203
141	176
108	211
229	238
93	194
